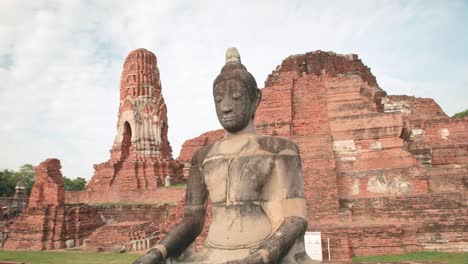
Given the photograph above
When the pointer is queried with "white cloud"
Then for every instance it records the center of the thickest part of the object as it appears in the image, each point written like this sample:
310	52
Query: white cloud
59	98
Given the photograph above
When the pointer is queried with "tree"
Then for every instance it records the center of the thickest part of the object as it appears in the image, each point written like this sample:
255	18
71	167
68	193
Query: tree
26	173
7	189
9	179
461	114
77	184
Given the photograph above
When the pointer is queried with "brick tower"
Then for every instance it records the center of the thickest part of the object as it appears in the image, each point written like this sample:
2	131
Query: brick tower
141	156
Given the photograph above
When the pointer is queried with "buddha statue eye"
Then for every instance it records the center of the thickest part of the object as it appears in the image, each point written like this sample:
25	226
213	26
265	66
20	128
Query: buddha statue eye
236	95
218	98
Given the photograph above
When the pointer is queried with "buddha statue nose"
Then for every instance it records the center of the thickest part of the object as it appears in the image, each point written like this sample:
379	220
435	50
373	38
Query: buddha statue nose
226	107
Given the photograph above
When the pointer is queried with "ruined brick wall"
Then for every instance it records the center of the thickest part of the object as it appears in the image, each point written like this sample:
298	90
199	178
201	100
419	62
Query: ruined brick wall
35	229
81	220
48	184
48	222
414	107
133	227
41	225
358	144
371	158
444	145
190	146
158	196
156	213
121	235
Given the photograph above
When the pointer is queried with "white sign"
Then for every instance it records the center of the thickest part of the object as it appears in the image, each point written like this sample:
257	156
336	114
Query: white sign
313	245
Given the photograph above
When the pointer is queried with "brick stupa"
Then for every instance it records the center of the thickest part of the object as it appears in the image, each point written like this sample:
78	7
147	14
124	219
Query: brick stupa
141	157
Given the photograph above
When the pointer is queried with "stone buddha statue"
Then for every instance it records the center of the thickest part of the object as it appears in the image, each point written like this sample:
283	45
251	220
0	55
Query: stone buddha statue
254	184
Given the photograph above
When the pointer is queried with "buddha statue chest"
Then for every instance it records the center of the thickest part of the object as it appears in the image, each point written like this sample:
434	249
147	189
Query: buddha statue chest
235	174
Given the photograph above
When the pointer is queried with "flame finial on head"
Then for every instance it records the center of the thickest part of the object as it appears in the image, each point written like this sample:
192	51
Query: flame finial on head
232	55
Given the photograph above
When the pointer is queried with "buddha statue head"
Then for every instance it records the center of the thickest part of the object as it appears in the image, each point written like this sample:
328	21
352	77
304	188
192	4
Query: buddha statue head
235	94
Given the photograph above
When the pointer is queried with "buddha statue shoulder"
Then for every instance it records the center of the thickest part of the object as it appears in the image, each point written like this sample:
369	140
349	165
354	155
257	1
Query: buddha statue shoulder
254	184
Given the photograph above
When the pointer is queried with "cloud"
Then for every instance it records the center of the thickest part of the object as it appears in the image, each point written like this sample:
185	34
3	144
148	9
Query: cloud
60	61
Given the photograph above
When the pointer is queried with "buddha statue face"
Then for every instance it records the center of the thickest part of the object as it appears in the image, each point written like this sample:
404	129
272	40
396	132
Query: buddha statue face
235	103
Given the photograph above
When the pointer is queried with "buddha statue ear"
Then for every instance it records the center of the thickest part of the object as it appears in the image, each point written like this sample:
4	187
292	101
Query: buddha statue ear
258	98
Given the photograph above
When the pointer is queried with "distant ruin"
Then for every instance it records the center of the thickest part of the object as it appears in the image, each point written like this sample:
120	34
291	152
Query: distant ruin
48	222
141	157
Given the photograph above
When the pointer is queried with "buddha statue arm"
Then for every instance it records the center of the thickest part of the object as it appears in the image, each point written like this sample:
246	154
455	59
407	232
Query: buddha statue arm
277	245
191	226
185	232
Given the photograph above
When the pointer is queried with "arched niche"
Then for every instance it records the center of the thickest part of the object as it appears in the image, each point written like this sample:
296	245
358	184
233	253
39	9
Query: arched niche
126	139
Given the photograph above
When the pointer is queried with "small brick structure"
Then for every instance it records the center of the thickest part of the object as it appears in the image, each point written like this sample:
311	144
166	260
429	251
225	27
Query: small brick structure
141	156
48	185
48	222
383	174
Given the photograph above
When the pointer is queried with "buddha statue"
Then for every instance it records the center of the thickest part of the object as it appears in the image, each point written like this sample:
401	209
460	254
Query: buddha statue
254	184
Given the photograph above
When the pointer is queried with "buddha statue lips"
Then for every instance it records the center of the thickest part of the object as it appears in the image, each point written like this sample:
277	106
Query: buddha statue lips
254	184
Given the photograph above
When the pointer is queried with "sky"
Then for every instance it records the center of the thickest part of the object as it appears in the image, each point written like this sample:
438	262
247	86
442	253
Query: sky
60	61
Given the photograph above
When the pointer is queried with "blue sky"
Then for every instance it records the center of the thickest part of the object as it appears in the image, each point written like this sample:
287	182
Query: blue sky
60	61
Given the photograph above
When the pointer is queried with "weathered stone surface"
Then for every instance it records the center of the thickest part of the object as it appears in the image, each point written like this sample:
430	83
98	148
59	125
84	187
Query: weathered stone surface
358	144
141	156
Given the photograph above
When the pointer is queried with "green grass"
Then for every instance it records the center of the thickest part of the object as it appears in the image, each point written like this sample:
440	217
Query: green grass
123	203
428	256
47	257
179	185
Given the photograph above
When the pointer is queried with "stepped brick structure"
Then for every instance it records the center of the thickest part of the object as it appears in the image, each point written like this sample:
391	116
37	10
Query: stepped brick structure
136	235
383	174
129	227
48	222
141	156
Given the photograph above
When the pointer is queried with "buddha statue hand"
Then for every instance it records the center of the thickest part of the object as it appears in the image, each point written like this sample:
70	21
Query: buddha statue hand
261	256
154	256
278	244
255	258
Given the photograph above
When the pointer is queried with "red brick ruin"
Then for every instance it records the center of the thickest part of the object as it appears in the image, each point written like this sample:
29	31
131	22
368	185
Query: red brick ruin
383	174
48	222
141	156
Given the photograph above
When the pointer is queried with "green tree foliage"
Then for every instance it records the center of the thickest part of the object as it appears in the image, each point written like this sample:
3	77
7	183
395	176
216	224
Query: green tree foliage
26	173
461	114
5	183
77	184
9	179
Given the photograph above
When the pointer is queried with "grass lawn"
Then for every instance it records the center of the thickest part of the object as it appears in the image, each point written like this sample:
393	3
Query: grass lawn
450	258
45	257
